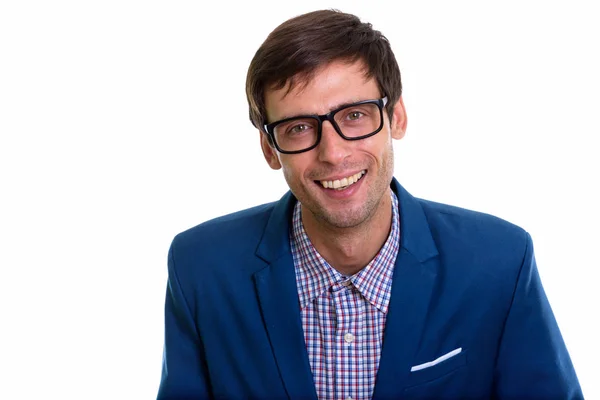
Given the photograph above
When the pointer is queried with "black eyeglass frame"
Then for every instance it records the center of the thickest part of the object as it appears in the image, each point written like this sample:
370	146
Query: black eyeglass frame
269	129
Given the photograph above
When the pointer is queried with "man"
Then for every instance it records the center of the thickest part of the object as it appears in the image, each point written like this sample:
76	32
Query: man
349	287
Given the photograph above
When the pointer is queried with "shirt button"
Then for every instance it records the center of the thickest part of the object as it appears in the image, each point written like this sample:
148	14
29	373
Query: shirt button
348	337
349	398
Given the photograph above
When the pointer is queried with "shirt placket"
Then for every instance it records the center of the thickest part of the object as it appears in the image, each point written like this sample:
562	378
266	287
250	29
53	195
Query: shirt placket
349	368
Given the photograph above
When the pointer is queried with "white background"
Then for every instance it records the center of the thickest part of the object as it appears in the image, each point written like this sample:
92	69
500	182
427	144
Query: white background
125	122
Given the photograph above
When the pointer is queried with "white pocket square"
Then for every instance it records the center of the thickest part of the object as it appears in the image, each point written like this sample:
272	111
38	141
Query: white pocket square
436	361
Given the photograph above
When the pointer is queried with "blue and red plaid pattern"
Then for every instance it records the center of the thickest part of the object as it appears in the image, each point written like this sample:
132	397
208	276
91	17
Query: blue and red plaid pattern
343	317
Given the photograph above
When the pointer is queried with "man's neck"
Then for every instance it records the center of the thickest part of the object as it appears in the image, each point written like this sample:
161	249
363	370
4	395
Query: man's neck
349	250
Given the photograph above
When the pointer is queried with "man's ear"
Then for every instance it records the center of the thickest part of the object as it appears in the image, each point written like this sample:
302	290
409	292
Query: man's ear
399	121
270	152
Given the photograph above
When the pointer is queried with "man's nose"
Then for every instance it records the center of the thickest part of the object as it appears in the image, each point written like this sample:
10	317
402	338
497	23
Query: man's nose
332	148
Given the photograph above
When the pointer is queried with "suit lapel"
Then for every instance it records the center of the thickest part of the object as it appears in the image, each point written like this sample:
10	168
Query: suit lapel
278	300
414	280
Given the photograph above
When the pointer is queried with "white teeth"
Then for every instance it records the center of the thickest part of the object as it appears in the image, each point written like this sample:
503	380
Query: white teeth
344	182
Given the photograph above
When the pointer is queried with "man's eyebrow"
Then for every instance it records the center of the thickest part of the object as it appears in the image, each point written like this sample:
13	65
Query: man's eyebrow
335	107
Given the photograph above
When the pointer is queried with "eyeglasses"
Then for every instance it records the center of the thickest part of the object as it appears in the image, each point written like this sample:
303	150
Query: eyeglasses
352	122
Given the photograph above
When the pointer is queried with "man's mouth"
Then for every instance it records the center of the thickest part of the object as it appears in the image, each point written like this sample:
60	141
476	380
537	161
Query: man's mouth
341	184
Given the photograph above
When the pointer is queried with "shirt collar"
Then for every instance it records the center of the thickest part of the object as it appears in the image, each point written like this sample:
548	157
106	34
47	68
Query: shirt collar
314	275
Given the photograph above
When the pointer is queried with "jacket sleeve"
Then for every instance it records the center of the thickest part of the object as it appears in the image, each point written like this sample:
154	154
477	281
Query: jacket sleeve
184	370
533	361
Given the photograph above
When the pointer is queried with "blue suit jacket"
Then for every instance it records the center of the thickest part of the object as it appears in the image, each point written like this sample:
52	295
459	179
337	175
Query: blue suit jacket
462	280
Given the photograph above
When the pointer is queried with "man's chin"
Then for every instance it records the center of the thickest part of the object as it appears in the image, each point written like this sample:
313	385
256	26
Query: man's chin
341	219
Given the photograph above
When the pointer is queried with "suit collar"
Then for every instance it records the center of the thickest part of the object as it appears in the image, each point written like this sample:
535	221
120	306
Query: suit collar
415	236
275	241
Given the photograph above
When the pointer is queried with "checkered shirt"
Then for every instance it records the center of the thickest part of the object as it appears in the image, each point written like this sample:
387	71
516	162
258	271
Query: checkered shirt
343	317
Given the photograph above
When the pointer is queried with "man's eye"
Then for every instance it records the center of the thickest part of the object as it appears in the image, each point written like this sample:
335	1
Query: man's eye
354	115
299	128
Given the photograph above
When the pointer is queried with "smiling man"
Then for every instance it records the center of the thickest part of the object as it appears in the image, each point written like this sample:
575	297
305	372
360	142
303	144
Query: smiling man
348	287
338	165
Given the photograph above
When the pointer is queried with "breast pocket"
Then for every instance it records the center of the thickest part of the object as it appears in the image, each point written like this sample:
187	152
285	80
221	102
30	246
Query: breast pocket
431	371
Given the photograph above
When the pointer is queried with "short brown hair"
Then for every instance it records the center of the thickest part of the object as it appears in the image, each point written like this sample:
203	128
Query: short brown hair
304	43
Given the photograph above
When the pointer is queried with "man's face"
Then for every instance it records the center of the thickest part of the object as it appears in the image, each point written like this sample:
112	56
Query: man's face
371	159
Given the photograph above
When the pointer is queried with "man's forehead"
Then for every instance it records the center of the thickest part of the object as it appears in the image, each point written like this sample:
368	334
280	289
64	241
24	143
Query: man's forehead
336	76
298	83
